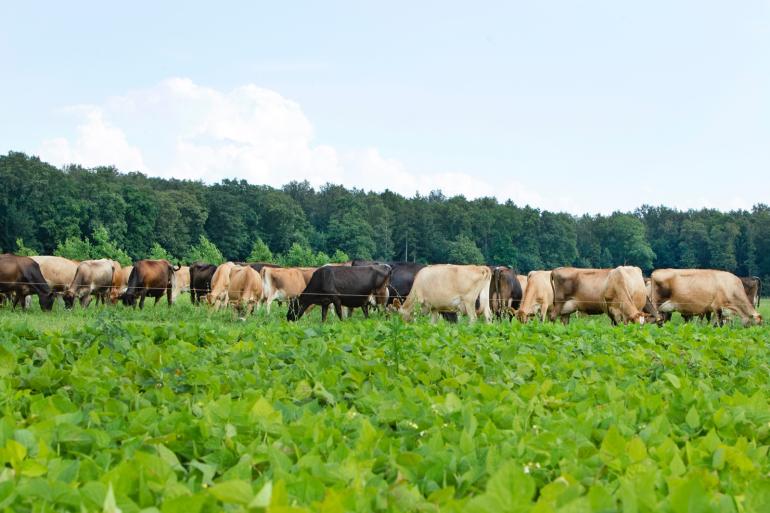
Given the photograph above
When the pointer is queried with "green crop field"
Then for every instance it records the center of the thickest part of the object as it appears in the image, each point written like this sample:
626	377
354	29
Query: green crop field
182	410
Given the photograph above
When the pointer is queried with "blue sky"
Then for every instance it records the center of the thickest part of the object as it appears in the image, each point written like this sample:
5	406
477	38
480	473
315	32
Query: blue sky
575	106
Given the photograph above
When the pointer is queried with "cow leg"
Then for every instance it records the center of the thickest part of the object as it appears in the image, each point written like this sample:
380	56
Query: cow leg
268	302
338	308
365	309
470	310
324	311
565	319
142	295
85	300
169	294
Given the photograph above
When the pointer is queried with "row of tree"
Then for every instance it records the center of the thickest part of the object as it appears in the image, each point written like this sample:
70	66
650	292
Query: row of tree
101	212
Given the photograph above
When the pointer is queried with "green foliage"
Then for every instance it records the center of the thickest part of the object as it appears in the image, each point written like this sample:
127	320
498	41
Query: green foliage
464	251
23	250
74	248
339	257
205	251
157	252
303	256
260	252
103	247
183	409
52	209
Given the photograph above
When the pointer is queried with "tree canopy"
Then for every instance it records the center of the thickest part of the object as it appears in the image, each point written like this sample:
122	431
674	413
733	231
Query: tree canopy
100	212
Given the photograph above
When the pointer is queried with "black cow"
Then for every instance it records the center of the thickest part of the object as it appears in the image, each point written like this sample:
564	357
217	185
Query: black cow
350	287
20	277
257	266
200	280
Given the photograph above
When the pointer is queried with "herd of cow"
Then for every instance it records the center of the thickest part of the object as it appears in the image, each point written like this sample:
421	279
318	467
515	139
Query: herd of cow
623	293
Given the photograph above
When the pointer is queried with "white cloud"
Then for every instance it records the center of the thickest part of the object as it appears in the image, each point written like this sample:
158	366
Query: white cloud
97	142
190	131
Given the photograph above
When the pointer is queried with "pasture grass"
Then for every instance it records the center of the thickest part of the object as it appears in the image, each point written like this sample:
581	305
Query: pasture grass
183	410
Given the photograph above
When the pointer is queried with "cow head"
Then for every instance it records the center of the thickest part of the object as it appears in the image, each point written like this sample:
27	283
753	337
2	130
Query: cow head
294	308
46	300
129	299
69	299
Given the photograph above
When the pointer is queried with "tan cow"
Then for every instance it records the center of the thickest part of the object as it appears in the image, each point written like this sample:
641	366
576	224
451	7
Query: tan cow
92	278
702	292
219	285
245	288
449	288
57	271
279	283
538	296
625	295
577	290
182	283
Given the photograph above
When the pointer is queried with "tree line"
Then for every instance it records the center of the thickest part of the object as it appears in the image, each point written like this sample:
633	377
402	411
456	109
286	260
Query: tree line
83	213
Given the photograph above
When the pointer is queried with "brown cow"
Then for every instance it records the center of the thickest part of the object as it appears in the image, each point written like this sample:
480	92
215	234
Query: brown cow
450	288
701	292
279	284
505	292
625	295
92	278
57	271
220	281
120	283
753	287
245	287
538	296
577	290
20	276
152	278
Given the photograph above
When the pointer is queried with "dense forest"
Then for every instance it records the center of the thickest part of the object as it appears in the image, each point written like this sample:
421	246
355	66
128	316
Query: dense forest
72	211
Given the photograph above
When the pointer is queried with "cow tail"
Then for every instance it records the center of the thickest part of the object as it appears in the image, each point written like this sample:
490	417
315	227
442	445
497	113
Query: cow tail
171	278
759	291
267	282
484	295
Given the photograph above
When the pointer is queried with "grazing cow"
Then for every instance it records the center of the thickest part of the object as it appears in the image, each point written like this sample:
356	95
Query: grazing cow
57	271
92	278
200	280
120	283
753	287
577	290
538	296
21	276
625	295
219	284
504	292
701	292
450	288
401	281
348	286
245	288
182	281
279	283
152	278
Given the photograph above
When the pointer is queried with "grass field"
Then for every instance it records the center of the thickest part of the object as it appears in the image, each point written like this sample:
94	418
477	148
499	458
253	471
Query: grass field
181	410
